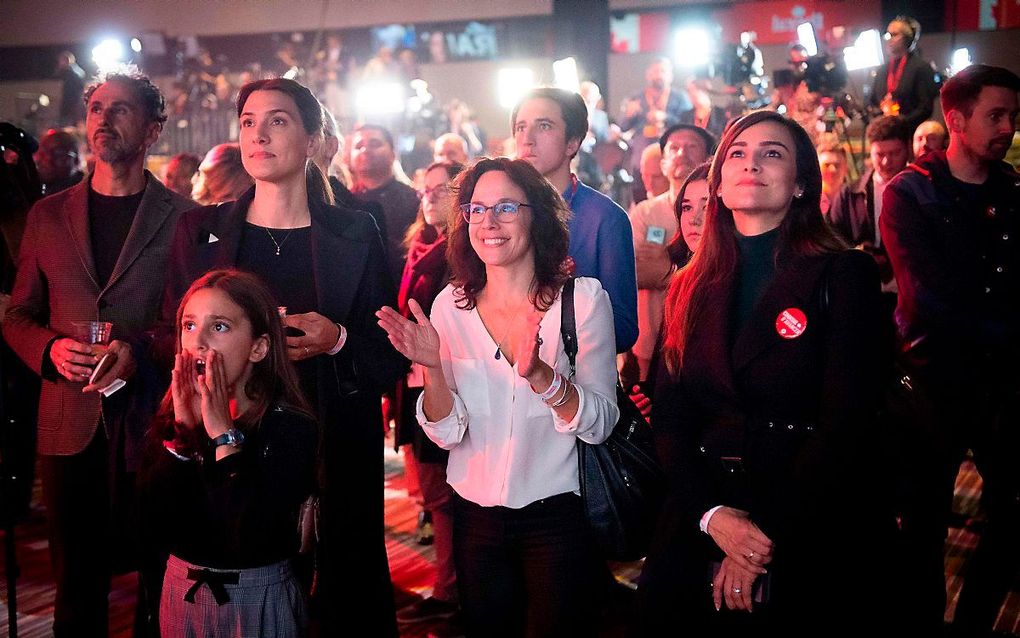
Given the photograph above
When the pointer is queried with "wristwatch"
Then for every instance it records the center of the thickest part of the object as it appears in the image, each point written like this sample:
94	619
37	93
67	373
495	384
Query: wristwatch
232	437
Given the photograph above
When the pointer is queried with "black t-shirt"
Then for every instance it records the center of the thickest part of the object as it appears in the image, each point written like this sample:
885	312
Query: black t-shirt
289	276
110	219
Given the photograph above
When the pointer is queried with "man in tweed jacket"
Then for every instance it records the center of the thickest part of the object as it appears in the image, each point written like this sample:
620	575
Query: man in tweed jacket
97	251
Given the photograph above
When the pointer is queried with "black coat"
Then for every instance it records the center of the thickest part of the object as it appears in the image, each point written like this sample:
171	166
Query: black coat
351	283
958	270
800	414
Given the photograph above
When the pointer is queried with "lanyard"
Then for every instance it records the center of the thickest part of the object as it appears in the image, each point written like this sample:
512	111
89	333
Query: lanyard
892	79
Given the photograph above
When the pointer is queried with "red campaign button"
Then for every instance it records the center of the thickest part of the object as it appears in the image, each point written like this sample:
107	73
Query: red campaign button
791	323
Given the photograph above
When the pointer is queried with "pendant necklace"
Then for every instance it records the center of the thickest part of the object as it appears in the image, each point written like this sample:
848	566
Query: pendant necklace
276	243
499	346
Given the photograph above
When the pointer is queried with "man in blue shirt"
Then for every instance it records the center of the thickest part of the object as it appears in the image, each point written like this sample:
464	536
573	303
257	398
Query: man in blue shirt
548	125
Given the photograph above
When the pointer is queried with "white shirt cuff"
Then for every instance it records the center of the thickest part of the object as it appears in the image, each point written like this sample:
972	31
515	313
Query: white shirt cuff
707	517
340	340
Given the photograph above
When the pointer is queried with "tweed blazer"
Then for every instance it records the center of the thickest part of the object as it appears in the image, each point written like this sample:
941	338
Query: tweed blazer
56	284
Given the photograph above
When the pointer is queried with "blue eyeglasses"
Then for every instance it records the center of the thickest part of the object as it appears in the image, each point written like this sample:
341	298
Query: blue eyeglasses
504	212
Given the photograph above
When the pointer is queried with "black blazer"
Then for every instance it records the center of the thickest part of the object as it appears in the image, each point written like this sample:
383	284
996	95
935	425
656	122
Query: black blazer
799	413
349	278
916	90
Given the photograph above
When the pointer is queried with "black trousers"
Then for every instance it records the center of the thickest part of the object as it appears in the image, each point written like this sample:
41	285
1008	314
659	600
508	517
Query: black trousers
76	493
526	572
984	417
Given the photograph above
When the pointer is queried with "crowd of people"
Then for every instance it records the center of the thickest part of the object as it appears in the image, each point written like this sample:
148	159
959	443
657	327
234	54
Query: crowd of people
816	353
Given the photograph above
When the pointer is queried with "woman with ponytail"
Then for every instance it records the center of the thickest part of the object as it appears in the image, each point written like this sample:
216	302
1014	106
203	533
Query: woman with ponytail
326	264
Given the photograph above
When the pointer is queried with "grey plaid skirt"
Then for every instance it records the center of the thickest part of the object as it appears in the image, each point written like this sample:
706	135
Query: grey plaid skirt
258	602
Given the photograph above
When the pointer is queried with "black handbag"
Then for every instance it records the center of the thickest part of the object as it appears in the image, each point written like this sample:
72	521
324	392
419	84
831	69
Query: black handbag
622	483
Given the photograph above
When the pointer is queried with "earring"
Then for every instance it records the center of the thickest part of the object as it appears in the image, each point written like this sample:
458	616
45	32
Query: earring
799	195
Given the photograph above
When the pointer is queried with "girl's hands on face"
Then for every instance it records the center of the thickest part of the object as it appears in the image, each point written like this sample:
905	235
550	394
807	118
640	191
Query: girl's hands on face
215	396
184	390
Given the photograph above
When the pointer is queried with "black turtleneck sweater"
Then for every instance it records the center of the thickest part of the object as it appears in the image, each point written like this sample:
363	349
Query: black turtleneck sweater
755	272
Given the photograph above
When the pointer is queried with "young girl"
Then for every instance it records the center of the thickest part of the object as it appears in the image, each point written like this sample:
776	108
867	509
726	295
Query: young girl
231	460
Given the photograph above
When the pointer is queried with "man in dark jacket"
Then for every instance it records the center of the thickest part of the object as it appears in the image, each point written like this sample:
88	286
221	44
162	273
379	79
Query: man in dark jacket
905	86
950	224
857	208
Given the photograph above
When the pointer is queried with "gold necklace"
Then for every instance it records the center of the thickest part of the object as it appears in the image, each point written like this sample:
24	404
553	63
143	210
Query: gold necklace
278	245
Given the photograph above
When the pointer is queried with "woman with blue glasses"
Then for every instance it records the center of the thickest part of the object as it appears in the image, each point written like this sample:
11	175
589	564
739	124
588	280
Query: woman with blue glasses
500	396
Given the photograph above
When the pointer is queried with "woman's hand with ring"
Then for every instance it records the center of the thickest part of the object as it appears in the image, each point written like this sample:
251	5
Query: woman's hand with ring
733	585
321	335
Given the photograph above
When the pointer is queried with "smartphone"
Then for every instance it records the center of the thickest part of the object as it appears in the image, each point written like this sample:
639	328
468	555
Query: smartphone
656	235
103	367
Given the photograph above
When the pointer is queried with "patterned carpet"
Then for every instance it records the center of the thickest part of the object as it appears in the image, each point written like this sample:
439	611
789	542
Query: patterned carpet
410	565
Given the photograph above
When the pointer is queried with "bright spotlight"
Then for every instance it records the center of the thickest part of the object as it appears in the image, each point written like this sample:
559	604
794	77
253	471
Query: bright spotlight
108	54
513	84
565	75
866	51
380	98
136	45
692	47
806	36
960	61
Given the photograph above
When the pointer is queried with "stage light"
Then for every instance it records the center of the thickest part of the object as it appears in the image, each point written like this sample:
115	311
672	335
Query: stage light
108	54
806	36
136	45
866	51
565	75
512	84
692	47
960	61
380	98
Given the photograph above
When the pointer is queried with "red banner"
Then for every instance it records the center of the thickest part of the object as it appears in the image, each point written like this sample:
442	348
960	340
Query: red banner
987	15
775	21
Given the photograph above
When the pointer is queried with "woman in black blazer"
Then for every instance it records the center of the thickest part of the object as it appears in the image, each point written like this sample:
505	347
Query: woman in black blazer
327	266
765	411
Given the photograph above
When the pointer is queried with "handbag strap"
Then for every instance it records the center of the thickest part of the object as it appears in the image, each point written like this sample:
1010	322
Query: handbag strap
568	327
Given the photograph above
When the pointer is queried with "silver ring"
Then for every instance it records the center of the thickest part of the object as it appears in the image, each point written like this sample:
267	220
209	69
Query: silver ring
751	555
63	366
736	590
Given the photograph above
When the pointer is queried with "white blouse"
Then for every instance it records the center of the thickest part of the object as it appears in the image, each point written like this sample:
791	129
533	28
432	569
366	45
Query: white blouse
506	446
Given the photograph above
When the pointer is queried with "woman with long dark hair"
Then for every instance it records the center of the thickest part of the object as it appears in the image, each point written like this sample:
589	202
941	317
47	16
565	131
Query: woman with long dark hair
499	394
229	462
326	266
767	408
689	208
